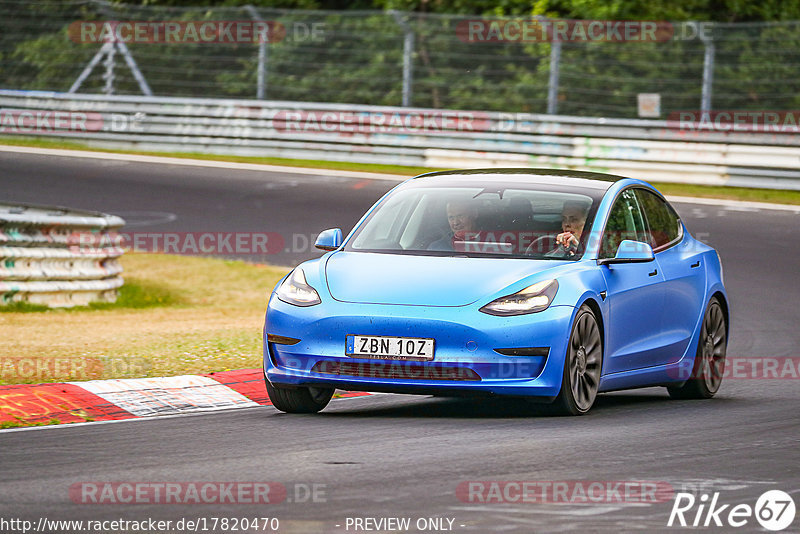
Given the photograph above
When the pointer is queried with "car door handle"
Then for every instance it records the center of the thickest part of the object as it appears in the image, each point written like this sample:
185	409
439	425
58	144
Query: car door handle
697	264
655	272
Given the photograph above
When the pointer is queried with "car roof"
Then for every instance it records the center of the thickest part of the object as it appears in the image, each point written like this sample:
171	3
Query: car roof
562	177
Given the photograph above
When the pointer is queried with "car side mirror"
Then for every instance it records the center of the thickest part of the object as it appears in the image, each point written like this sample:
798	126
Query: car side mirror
630	251
329	239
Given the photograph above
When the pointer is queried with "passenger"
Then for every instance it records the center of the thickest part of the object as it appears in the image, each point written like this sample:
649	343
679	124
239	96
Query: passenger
573	218
461	215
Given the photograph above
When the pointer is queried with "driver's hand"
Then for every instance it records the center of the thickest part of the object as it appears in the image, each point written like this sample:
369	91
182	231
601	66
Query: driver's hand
567	240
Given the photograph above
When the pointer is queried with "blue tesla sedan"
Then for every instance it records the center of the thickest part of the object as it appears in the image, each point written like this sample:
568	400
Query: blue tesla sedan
548	285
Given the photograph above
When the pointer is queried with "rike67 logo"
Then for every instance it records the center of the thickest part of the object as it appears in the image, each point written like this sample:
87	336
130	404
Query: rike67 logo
774	510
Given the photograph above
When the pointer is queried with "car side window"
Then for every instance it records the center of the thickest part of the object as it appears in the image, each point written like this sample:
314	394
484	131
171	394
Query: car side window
625	221
664	226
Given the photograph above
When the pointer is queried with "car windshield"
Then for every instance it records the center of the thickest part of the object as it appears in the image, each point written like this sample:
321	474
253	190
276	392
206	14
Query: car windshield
510	220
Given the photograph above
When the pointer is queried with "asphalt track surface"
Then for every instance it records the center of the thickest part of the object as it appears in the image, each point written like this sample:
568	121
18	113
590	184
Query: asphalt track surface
404	456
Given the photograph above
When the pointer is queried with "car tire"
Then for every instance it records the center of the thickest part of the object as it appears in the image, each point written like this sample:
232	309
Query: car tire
582	366
709	362
299	400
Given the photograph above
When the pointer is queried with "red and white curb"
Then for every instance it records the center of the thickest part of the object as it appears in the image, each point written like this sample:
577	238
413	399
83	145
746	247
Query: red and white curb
109	400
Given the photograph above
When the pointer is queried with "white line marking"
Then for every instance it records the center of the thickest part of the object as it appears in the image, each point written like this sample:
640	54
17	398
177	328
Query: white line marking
146	218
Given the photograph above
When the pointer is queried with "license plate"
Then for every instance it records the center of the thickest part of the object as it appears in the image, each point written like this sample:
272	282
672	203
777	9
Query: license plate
389	347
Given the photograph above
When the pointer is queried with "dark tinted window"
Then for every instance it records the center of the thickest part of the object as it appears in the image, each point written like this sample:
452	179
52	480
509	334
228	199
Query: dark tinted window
664	224
625	221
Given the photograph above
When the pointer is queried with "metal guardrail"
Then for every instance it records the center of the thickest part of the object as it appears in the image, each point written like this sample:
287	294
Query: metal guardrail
655	150
58	257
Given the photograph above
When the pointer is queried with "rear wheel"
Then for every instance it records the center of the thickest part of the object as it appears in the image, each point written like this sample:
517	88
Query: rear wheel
709	363
299	400
581	378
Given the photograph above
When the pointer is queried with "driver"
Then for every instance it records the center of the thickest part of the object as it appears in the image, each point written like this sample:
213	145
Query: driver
573	218
461	215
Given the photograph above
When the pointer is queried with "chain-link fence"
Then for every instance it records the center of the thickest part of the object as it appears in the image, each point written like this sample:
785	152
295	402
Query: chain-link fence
588	68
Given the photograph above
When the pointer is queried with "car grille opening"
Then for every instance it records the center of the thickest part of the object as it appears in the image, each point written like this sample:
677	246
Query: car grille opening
395	371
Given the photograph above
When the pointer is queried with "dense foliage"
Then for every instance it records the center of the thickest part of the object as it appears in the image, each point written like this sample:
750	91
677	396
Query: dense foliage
359	56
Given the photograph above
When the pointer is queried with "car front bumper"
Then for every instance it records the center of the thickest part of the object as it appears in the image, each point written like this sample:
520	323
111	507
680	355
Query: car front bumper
465	360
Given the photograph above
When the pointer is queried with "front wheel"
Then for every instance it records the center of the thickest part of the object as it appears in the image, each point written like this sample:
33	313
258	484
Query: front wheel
299	400
581	378
709	362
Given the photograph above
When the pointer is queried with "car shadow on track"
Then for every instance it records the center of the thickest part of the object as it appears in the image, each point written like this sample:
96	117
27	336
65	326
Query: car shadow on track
489	407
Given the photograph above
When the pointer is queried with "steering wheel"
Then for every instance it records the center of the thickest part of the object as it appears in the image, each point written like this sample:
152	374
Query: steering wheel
538	244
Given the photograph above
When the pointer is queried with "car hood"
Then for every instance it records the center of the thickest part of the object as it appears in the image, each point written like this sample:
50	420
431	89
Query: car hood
371	278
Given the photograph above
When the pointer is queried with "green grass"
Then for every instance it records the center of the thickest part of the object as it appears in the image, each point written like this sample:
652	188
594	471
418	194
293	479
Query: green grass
776	196
304	163
23	307
140	294
132	295
23	423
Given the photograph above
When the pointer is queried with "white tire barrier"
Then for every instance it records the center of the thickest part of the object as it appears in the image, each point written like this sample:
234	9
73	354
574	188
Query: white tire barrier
58	257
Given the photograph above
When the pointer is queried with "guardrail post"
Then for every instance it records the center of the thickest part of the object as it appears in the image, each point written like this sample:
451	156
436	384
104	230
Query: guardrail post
552	84
408	53
708	68
261	69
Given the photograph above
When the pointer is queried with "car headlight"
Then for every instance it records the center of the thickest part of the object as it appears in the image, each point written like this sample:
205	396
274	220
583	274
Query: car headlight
532	299
295	290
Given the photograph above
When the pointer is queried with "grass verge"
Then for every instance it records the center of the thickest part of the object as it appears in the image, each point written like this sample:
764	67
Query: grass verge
23	423
777	196
303	163
175	315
